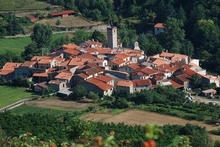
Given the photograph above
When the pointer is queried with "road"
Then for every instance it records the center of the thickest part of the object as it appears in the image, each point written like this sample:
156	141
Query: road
205	100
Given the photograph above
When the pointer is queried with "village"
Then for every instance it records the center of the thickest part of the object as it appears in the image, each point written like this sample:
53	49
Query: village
108	69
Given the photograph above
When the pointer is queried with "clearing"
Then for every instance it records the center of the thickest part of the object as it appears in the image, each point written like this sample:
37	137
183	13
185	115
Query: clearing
11	5
139	117
70	22
9	95
56	103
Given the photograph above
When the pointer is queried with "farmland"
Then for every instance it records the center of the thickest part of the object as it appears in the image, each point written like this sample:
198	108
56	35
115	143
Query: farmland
11	5
9	95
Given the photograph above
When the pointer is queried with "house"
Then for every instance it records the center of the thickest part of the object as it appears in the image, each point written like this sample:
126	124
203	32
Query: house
106	79
57	85
31	18
39	87
92	44
126	86
173	57
144	73
209	92
140	85
7	71
25	70
159	28
64	13
130	67
64	76
98	86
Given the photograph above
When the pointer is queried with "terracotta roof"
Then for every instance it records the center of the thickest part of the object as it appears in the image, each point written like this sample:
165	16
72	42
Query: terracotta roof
28	63
149	71
65	12
121	56
70	46
31	18
125	83
76	62
141	82
65	75
45	61
134	66
91	42
64	63
11	65
103	86
71	51
167	67
117	61
175	84
82	75
44	74
104	78
37	58
159	25
166	54
6	72
190	72
160	61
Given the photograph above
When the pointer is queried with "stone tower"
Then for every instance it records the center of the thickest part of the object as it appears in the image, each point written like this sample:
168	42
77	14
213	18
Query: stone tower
112	37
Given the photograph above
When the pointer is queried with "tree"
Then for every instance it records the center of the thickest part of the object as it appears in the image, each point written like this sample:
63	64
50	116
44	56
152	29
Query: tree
79	92
42	35
98	36
149	44
80	36
30	51
93	95
174	35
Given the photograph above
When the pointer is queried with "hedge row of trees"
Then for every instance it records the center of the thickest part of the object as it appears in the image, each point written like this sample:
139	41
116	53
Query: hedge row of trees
66	127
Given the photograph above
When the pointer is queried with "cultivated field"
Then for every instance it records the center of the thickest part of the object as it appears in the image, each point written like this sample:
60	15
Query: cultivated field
22	5
138	117
9	95
56	103
70	21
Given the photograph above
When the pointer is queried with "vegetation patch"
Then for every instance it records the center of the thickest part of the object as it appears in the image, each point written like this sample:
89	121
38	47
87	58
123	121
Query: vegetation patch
9	95
22	5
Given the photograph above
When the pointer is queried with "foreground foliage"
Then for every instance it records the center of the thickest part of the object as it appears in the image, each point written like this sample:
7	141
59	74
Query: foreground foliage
68	128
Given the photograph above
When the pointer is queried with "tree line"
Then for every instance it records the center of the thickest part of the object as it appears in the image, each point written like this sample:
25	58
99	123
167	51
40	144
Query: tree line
67	127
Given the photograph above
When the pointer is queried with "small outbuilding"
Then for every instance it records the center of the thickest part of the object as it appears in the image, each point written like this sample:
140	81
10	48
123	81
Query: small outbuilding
209	92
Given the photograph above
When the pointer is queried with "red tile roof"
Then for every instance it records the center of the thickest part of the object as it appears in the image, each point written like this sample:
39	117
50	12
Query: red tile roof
65	12
125	83
175	84
9	67
141	82
134	66
104	78
117	61
121	56
103	86
149	71
37	58
159	25
64	75
159	61
70	51
44	74
70	46
28	63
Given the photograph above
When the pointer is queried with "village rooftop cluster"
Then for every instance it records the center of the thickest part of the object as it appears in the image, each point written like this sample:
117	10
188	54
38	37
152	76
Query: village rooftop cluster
107	70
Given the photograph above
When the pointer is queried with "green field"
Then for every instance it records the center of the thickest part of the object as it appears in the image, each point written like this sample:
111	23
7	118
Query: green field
17	45
34	109
22	4
9	95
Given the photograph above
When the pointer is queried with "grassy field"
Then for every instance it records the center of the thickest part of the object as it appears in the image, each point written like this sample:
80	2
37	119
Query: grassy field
34	109
22	4
17	45
9	95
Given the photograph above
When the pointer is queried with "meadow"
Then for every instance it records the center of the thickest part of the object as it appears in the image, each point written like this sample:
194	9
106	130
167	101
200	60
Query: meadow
9	95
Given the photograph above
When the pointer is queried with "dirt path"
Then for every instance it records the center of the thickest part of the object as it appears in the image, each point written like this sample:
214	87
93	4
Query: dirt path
138	117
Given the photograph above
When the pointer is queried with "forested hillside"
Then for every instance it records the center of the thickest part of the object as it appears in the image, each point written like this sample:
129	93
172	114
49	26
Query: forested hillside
192	25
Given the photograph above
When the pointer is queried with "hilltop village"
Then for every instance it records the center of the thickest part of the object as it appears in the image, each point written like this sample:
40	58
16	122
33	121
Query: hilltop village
107	70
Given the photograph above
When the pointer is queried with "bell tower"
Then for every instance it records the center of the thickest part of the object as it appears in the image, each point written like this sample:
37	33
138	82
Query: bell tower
112	37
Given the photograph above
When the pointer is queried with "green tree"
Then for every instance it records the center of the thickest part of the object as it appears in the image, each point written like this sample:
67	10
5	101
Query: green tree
80	36
98	36
79	92
30	51
93	95
42	34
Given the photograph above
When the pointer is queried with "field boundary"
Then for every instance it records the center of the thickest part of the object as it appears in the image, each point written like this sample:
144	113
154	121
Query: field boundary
17	104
